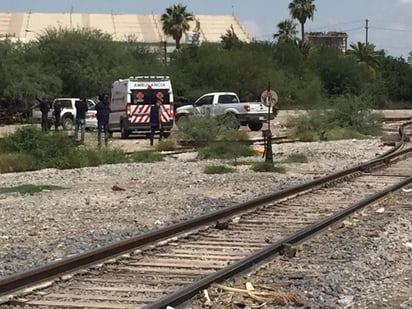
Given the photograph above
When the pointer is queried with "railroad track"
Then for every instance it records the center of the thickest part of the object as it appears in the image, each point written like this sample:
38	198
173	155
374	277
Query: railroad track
159	268
331	270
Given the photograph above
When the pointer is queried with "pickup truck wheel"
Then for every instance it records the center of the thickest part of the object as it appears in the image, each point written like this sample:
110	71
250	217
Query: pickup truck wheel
124	133
231	122
255	126
67	123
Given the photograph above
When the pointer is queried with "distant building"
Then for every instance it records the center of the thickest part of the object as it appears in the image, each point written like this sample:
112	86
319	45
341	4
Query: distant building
337	40
146	29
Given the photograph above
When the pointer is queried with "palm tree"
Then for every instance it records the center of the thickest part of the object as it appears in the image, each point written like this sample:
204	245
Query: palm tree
230	39
176	22
287	31
365	54
302	10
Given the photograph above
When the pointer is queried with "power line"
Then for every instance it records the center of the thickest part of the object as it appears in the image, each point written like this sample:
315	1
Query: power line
336	25
389	22
353	29
391	29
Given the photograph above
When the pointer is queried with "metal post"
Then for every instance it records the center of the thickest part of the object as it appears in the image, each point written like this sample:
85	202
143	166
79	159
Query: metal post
267	137
267	134
269	104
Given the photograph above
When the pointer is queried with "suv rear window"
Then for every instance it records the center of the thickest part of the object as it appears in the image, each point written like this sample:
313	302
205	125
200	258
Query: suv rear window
149	96
65	103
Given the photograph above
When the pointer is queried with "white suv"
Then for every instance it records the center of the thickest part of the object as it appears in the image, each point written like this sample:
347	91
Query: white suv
67	114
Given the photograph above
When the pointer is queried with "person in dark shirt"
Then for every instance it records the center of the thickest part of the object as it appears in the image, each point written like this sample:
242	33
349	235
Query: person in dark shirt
156	120
81	109
44	108
102	115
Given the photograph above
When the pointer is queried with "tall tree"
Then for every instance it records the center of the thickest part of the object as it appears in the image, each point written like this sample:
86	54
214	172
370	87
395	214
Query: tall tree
302	10
176	22
287	31
365	54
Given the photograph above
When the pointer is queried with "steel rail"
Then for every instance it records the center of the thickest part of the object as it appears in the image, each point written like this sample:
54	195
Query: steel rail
187	292
54	269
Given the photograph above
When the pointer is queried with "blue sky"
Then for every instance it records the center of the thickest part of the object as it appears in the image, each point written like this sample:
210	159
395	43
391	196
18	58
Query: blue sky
390	22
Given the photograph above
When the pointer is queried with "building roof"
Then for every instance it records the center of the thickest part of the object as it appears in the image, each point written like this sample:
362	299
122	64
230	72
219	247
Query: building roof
142	28
329	34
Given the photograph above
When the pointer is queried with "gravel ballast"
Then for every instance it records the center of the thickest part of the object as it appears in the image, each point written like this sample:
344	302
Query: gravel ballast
99	205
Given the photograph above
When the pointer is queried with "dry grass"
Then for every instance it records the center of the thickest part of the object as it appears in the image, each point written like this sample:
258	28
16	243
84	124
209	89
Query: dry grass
224	295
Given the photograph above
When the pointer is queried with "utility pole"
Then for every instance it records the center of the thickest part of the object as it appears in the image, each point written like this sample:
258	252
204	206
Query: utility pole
71	13
367	29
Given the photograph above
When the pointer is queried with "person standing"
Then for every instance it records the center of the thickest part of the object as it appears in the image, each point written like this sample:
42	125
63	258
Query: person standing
57	111
102	115
44	108
81	109
156	120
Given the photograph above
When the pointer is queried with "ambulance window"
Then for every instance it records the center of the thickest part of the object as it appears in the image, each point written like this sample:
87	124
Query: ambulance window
149	96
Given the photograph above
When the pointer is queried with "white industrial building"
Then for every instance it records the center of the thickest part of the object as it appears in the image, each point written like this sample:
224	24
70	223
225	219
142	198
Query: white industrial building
146	29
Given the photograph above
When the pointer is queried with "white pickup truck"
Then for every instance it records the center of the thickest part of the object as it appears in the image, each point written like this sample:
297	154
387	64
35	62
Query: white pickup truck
221	104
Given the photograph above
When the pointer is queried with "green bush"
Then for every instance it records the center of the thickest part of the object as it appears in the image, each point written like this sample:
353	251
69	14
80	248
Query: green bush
15	162
343	133
198	128
82	157
225	150
146	157
218	169
353	112
234	135
168	144
37	149
296	158
44	148
346	117
29	189
267	167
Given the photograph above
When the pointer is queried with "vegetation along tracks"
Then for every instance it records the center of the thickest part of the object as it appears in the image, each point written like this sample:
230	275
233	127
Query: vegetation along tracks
245	234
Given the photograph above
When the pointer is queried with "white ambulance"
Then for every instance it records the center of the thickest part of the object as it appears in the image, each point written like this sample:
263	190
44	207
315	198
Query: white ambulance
132	99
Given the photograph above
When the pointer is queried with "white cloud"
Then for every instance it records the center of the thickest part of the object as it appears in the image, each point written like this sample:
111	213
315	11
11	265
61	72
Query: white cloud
405	1
252	28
